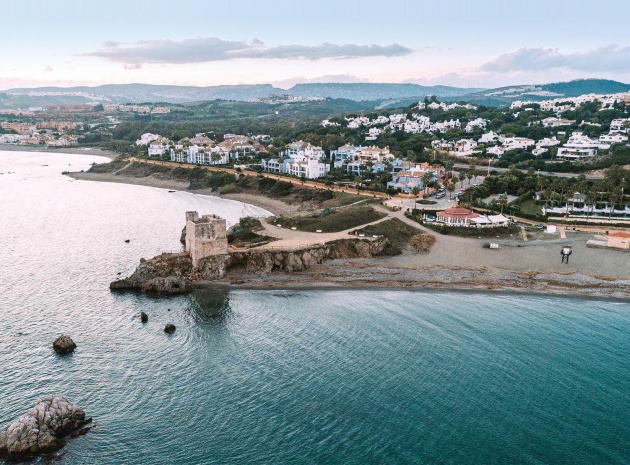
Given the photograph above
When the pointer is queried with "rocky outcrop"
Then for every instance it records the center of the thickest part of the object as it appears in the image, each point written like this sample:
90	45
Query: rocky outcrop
213	267
169	328
64	345
173	273
42	429
257	260
169	273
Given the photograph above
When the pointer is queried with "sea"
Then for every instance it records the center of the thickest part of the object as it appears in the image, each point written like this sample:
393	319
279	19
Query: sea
285	376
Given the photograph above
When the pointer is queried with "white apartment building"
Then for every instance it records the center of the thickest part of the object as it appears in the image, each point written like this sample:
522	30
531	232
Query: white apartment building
496	150
478	123
157	149
511	143
488	137
620	125
548	142
464	147
147	138
309	169
579	147
614	138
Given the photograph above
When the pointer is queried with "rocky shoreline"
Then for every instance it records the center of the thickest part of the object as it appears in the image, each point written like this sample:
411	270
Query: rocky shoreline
371	275
173	273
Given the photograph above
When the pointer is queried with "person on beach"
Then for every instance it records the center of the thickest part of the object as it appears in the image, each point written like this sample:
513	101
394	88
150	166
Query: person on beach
565	252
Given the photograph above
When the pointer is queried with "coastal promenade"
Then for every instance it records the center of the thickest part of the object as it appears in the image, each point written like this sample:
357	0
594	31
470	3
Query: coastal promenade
277	177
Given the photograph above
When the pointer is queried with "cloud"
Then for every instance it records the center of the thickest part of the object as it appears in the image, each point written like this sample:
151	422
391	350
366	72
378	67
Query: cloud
611	58
207	49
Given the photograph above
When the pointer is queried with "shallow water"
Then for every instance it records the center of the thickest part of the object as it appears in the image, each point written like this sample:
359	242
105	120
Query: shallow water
275	377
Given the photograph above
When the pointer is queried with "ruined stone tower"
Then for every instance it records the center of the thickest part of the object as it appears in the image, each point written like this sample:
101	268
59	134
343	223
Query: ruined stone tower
207	244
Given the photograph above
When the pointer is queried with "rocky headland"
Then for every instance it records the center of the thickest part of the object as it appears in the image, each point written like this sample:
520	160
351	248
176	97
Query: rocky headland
174	273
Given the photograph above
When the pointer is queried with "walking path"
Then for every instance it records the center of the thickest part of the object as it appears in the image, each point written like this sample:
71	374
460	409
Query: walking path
293	239
294	181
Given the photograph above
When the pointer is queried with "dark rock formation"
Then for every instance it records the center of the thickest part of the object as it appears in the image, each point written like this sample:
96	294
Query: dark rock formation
182	238
144	317
169	328
64	345
169	272
42	429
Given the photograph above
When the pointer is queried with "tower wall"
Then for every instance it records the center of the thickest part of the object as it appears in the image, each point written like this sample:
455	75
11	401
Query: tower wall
206	236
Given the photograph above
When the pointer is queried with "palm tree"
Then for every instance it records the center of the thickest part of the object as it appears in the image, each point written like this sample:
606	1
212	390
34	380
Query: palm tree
503	201
614	196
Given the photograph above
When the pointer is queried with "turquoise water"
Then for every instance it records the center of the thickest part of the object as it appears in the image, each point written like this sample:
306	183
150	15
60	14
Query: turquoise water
287	377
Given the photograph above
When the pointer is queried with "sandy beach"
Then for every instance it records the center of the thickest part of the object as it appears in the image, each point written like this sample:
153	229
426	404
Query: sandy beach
72	150
277	207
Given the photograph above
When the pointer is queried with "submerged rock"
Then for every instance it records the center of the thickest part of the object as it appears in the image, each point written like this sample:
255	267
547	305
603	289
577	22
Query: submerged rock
42	429
64	345
144	317
169	328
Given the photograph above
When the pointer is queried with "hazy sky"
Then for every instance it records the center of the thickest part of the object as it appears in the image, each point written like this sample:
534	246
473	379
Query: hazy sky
470	43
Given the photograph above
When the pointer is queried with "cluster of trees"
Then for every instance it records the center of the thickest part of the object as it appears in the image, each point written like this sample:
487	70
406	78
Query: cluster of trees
613	189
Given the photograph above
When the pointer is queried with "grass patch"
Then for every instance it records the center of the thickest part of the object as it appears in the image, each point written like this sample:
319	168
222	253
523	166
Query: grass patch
396	231
104	168
333	220
503	232
245	233
529	207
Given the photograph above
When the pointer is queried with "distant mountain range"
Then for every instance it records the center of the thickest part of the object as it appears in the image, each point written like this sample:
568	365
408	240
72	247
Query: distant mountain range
147	93
382	94
506	95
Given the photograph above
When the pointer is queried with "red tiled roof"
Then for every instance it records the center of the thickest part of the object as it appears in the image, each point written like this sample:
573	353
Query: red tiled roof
458	212
621	234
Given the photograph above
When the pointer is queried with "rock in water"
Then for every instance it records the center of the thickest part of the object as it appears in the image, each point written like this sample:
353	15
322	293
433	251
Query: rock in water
169	328
42	429
64	345
144	317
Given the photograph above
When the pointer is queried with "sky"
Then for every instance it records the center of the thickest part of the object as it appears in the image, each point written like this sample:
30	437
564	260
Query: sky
463	43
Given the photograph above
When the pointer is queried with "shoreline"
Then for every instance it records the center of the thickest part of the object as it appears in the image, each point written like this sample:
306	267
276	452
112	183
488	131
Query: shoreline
95	151
556	293
454	263
276	207
374	274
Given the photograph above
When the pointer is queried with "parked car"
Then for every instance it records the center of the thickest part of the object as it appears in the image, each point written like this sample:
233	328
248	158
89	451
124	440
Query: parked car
440	196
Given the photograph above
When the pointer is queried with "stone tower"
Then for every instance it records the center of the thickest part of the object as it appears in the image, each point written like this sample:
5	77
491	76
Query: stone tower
206	242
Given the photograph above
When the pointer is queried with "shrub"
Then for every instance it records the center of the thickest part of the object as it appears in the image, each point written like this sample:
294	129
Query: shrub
422	242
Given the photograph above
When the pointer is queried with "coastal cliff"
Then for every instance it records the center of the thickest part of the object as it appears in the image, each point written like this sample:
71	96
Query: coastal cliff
174	273
266	261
